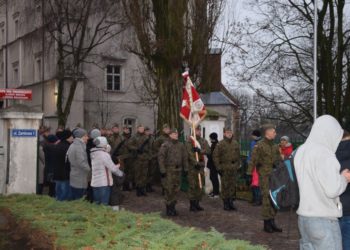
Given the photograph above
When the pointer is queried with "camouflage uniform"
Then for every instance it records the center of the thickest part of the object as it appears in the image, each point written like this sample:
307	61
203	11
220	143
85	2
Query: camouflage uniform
152	165
194	192
126	160
265	154
226	157
114	140
172	159
140	146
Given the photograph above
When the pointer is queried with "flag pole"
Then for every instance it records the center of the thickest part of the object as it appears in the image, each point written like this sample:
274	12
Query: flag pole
315	60
197	157
195	139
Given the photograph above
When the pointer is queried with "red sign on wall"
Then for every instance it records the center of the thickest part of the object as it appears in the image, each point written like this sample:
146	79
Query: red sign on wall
16	94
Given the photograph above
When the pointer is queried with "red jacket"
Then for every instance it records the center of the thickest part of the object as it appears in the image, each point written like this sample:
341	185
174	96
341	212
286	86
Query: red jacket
287	151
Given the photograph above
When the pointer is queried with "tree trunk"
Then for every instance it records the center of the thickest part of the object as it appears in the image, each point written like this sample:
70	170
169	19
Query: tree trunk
170	93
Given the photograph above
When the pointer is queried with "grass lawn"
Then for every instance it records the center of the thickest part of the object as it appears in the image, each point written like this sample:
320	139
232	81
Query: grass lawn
81	225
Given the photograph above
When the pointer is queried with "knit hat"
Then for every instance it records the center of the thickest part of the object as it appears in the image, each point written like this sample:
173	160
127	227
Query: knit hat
285	138
52	138
213	136
95	133
101	142
256	133
79	132
64	135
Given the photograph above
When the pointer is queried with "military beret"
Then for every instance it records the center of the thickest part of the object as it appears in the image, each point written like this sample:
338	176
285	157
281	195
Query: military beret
147	129
268	126
228	128
173	130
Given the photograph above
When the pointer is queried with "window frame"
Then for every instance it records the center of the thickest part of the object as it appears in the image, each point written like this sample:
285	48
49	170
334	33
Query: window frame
113	74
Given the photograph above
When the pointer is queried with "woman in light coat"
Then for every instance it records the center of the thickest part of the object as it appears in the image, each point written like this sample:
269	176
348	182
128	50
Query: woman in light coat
102	169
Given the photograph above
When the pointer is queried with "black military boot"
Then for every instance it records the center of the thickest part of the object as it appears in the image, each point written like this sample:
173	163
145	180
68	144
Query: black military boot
231	205
193	207
198	207
149	188
226	205
267	226
138	192
168	210
173	210
143	191
274	227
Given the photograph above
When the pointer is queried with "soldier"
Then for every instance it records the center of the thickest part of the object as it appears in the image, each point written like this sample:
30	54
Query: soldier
125	158
226	158
115	138
164	136
265	155
139	144
172	159
195	167
151	163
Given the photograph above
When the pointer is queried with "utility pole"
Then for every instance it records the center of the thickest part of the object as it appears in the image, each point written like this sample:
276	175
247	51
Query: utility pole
315	59
6	50
43	57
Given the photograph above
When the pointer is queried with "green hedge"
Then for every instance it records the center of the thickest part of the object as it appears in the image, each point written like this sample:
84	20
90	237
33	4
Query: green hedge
78	224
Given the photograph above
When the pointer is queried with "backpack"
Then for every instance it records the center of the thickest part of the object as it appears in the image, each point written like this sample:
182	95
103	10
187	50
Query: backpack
284	190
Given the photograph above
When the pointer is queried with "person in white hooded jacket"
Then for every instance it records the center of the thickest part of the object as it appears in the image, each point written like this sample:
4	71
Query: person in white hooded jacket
320	184
102	169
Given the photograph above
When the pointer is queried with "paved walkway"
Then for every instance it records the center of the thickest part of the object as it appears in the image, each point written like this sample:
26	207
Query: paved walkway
244	224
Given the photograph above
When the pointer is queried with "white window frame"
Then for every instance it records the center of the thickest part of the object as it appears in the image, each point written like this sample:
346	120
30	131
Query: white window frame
113	74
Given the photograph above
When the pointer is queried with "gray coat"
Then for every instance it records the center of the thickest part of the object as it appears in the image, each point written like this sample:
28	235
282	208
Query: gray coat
79	166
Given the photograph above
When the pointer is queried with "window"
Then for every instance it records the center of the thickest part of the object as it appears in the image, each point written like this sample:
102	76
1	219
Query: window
3	36
113	77
15	75
37	70
16	28
130	123
2	68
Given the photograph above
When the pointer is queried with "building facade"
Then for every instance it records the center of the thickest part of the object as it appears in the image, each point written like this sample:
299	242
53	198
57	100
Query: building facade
108	92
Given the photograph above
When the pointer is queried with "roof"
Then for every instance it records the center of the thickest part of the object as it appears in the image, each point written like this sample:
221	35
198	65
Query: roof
216	98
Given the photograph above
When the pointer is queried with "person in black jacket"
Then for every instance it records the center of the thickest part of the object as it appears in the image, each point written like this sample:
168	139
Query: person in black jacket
343	155
49	152
213	171
61	167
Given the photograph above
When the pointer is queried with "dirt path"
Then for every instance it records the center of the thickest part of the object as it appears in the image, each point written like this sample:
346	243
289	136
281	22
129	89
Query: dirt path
244	224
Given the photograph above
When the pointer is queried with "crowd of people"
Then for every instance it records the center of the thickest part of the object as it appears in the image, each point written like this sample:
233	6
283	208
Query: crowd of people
102	163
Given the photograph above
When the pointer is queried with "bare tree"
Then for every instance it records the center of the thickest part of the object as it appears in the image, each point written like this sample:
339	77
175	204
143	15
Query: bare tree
78	27
275	57
169	33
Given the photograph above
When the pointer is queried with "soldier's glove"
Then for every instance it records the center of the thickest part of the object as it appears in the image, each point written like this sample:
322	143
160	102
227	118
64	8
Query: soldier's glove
221	172
140	151
162	175
198	166
196	149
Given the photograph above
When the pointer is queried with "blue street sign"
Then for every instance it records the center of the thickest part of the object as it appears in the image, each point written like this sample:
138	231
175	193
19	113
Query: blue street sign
23	133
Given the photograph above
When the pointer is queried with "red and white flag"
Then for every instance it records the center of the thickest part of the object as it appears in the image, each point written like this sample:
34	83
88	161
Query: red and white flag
192	107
